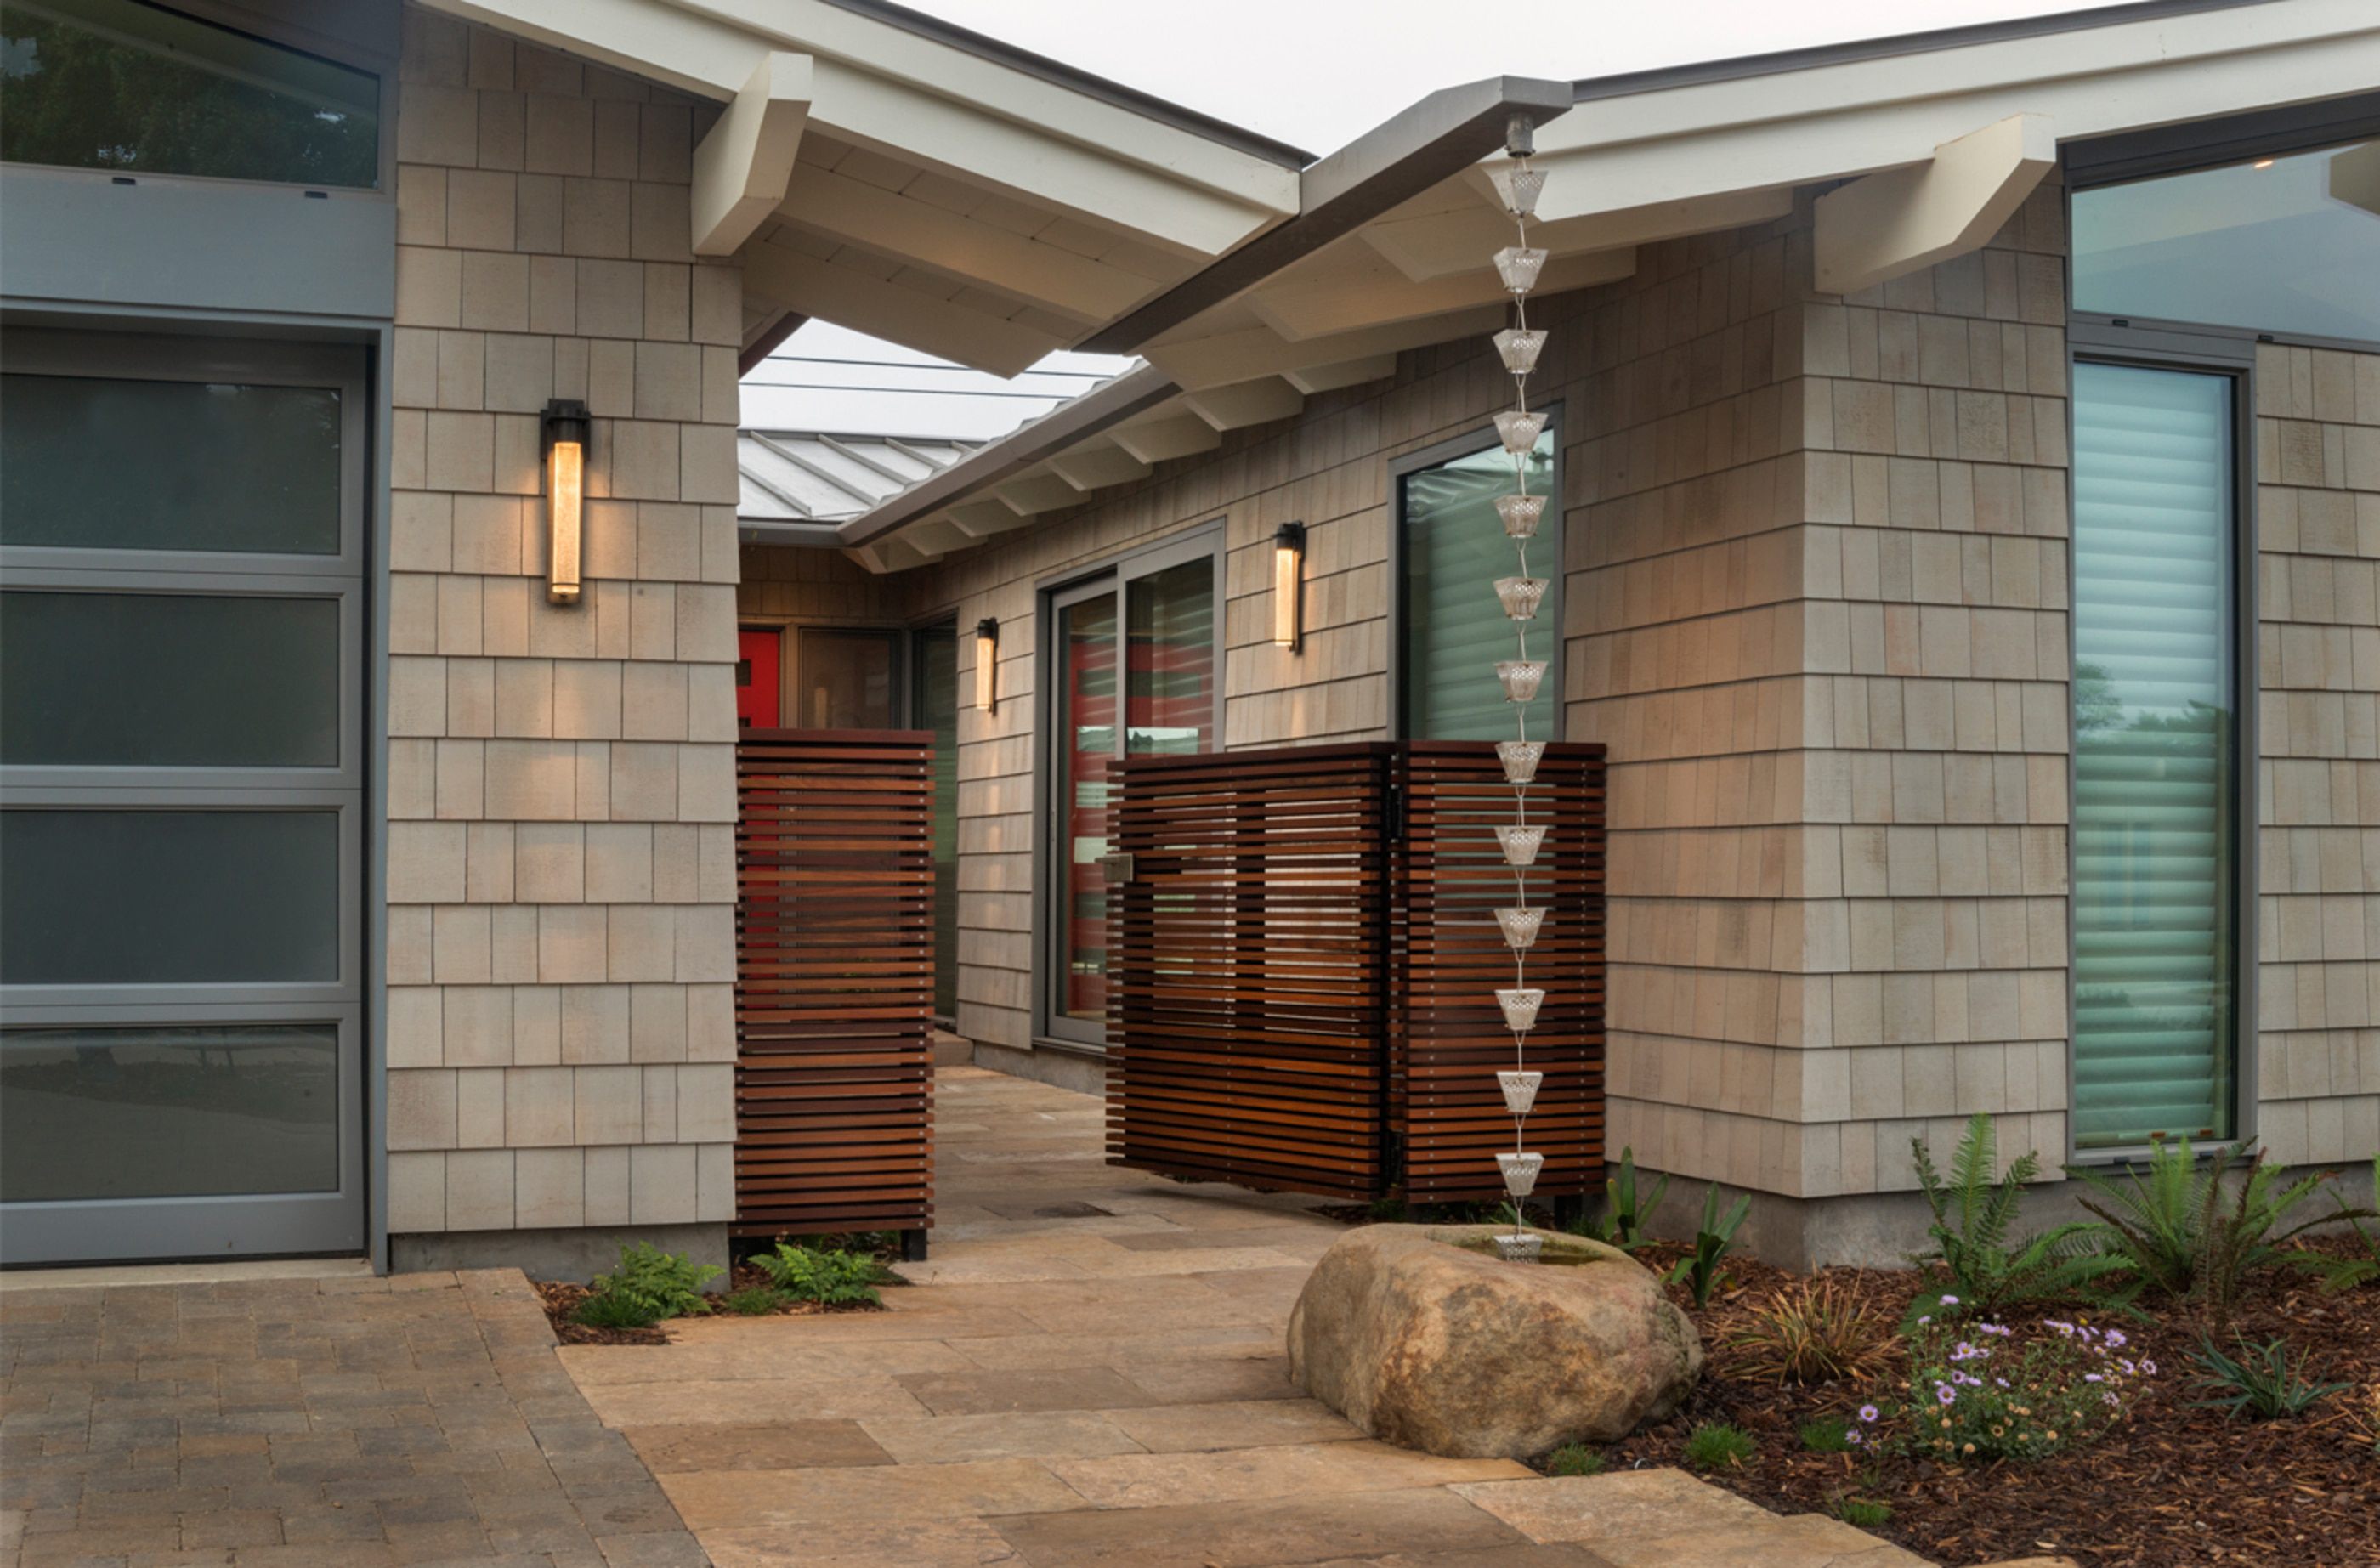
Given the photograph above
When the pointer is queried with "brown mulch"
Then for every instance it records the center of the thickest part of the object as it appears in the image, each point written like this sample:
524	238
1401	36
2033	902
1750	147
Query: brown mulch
2173	1485
562	1301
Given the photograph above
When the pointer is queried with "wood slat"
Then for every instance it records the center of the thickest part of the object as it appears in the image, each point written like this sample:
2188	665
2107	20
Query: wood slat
835	966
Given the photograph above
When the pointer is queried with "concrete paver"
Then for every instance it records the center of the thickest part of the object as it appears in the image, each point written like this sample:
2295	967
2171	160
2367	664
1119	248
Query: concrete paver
1089	1370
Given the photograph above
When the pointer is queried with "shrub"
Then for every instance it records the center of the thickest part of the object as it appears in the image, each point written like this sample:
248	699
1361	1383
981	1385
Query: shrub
2345	1273
1715	1445
1700	1268
1826	1434
647	1286
1574	1459
1861	1513
2173	1227
1818	1331
1621	1223
1978	1392
755	1301
2259	1383
831	1278
1974	1216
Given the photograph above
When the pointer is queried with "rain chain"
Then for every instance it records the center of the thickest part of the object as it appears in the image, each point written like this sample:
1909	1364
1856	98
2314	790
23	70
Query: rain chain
1519	346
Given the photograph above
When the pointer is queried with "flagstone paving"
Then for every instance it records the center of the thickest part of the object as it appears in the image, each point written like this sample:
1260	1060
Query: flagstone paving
1089	1370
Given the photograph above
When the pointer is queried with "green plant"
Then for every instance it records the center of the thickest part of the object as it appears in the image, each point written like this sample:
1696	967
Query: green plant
647	1286
1826	1434
1621	1223
831	1278
1715	1445
1979	1391
1990	1271
755	1301
1574	1459
2260	1382
1700	1268
2183	1229
2347	1273
1817	1331
1861	1513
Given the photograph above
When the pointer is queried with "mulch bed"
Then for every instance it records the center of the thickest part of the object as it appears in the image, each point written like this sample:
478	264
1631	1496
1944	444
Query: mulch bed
2172	1486
562	1301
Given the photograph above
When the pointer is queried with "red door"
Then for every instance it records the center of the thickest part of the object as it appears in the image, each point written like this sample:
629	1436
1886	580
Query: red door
759	666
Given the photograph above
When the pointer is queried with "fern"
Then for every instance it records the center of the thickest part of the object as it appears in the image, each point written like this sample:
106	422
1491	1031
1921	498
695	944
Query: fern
649	1285
1974	1215
832	1278
2347	1273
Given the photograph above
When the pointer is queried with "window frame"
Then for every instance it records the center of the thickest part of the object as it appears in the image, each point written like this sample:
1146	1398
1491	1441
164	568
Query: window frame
1113	575
2233	357
1469	444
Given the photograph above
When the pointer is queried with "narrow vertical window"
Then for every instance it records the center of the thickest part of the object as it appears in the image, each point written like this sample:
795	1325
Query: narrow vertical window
2156	755
1453	631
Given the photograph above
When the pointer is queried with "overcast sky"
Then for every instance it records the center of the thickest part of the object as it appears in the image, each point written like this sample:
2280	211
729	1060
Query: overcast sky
1314	73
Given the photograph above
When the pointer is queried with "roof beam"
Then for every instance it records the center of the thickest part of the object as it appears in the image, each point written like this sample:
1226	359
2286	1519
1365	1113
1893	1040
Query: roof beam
1196	362
958	247
984	519
1098	465
852	298
741	164
1898	222
1161	441
1331	306
1437	244
1439	137
1037	492
1247	403
1346	373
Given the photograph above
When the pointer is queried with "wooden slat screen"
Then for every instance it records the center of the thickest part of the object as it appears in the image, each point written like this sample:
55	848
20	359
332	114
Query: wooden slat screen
834	982
1447	1113
1248	951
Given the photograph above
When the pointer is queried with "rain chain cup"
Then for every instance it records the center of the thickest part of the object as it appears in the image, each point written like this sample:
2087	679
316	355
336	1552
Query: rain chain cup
1520	675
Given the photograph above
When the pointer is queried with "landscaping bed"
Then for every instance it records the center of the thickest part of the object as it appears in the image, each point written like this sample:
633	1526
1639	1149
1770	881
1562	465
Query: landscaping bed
2172	1484
650	1290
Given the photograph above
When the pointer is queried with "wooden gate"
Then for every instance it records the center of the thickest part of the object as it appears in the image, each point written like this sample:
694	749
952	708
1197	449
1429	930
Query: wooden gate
1304	957
834	962
1248	946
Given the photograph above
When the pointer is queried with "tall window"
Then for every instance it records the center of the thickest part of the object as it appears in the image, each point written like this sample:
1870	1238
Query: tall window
1133	672
1450	545
2157	833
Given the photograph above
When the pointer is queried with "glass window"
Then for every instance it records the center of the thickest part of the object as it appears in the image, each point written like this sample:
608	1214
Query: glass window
1169	701
2282	244
168	680
846	679
151	897
117	84
2156	835
1454	630
934	707
168	465
189	1112
1087	738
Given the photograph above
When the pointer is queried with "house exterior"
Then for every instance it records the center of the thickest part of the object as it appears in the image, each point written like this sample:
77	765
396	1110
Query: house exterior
1968	449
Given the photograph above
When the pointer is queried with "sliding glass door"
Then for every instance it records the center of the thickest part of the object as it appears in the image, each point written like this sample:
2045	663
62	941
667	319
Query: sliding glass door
1135	667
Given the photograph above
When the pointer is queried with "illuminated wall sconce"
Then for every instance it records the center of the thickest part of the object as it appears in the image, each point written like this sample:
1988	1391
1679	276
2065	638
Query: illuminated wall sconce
565	430
986	663
1289	585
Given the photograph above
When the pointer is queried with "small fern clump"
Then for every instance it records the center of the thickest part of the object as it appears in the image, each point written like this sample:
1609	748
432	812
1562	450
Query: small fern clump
1817	1331
647	1286
827	1277
1715	1445
755	1301
2358	1267
1991	1269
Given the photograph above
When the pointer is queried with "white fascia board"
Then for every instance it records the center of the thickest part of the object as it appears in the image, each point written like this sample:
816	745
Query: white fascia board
1836	121
915	98
743	161
1887	226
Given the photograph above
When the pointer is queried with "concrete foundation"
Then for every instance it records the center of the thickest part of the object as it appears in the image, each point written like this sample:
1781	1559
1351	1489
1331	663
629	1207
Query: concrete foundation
573	1255
1084	1072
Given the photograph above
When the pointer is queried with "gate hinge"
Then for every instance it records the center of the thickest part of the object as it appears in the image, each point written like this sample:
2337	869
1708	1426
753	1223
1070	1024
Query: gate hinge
1118	866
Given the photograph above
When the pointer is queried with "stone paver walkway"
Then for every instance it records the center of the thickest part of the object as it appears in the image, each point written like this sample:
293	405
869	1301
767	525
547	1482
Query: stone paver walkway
1090	1371
291	1423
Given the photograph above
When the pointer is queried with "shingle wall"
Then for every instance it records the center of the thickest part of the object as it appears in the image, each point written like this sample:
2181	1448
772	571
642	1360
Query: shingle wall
561	866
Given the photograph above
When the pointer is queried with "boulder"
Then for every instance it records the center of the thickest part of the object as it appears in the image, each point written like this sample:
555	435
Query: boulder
1421	1336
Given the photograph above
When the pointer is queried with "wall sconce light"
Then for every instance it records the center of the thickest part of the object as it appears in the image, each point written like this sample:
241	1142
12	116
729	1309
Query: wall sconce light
565	433
1289	585
986	663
